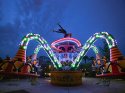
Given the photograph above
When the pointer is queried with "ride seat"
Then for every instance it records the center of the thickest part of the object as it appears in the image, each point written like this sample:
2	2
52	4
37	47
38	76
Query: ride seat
9	67
121	63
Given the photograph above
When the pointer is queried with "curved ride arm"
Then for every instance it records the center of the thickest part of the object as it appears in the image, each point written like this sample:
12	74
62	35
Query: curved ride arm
95	49
45	46
104	35
37	49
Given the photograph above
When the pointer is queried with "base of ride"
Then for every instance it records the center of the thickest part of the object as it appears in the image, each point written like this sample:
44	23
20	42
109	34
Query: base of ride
66	78
114	70
10	70
63	53
17	74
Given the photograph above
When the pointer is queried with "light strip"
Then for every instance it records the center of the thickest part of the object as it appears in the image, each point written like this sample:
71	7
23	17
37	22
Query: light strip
64	40
67	39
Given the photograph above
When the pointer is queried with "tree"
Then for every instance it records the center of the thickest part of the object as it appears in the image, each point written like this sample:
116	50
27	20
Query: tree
1	60
44	60
91	58
85	58
104	50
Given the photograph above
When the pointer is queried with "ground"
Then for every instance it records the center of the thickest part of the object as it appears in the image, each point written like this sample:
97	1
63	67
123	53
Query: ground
43	86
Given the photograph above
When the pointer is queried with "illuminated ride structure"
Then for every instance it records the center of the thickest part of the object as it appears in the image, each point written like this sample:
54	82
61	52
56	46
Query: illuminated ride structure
66	55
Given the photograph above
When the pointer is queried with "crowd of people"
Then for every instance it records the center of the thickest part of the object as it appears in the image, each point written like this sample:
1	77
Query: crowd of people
99	65
34	62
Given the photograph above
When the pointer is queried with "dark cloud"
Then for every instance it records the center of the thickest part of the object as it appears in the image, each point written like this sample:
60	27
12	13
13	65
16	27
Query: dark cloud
20	17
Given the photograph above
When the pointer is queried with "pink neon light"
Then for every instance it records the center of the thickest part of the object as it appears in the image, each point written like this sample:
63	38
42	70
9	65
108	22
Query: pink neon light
65	39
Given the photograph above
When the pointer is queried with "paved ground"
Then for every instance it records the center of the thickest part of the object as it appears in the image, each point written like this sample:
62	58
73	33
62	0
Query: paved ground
44	86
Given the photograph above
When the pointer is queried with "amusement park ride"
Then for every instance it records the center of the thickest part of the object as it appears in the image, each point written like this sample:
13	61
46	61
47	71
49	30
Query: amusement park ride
65	54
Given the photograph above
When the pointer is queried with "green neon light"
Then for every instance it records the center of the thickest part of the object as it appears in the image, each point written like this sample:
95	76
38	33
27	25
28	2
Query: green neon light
109	37
24	47
45	41
31	34
81	53
72	65
110	40
97	36
25	39
110	46
36	37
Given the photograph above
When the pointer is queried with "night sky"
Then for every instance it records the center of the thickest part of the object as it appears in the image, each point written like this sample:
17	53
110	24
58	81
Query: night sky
82	18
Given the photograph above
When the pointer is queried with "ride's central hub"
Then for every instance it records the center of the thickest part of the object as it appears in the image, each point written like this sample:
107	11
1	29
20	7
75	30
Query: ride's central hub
66	50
